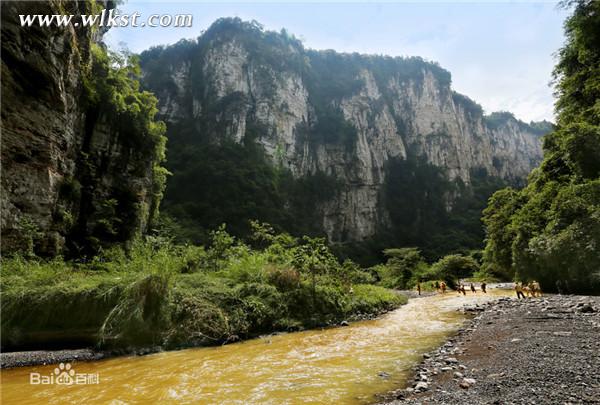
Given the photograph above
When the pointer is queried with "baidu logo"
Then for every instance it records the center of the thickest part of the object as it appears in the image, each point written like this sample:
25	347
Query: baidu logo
64	374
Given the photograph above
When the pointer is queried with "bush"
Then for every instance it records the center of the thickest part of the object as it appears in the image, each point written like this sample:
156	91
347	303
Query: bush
141	313
196	321
452	268
373	299
404	267
285	279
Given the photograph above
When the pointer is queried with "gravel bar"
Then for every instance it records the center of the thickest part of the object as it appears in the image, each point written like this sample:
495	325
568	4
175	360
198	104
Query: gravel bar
530	351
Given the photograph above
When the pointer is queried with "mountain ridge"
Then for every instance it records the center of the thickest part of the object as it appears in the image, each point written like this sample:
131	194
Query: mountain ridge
344	116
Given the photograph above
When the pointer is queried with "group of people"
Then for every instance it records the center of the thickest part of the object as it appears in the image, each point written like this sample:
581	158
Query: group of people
523	290
442	287
531	289
462	290
438	286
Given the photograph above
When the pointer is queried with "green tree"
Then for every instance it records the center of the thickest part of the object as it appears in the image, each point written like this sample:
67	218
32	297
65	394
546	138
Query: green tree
497	218
403	265
314	258
552	225
452	268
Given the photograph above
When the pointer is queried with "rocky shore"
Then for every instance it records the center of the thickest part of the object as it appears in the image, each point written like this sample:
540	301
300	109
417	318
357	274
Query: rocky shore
531	351
43	357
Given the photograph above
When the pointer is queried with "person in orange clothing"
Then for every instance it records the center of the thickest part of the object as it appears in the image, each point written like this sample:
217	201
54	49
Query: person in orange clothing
519	290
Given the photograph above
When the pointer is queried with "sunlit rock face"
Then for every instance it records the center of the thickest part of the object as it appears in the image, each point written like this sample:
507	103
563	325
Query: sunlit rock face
345	115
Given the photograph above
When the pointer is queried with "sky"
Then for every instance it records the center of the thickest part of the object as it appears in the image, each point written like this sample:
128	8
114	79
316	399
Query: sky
500	54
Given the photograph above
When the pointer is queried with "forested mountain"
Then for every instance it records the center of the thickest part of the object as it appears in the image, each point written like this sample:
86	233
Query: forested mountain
81	150
550	230
371	151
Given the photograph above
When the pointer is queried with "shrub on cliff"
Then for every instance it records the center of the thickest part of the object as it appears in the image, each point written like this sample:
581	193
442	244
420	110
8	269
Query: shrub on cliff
118	210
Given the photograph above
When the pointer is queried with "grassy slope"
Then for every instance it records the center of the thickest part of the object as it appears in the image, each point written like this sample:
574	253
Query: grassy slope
160	294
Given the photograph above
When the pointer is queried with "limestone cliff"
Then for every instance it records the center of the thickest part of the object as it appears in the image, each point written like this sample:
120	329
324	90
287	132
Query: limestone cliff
69	178
345	115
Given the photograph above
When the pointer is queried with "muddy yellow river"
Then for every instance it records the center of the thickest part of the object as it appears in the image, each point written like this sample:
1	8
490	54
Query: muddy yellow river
346	365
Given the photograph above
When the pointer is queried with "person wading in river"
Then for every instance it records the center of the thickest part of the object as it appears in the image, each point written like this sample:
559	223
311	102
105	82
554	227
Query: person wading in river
472	288
419	287
483	287
519	290
443	287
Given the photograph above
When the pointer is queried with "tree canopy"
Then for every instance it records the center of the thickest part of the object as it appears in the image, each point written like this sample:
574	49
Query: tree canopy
550	230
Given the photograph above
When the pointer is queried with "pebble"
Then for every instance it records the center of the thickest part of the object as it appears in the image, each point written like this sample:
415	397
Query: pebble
421	386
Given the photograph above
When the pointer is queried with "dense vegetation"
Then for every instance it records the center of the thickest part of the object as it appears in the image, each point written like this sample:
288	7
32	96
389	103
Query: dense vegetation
496	119
550	230
417	195
405	267
96	214
159	293
232	183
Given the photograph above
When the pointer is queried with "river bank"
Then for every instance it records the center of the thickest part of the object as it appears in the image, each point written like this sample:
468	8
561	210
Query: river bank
537	350
342	365
43	357
173	296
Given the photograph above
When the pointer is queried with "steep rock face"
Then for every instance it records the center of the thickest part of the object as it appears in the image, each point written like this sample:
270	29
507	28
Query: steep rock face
38	132
343	115
64	169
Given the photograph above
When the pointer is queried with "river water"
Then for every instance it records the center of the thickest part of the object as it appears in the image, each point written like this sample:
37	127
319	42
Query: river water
345	365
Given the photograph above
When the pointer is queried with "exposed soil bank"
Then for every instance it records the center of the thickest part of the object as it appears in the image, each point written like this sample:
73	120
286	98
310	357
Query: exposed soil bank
43	357
537	350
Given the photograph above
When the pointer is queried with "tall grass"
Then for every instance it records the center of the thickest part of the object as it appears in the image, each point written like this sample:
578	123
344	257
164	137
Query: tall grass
158	293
